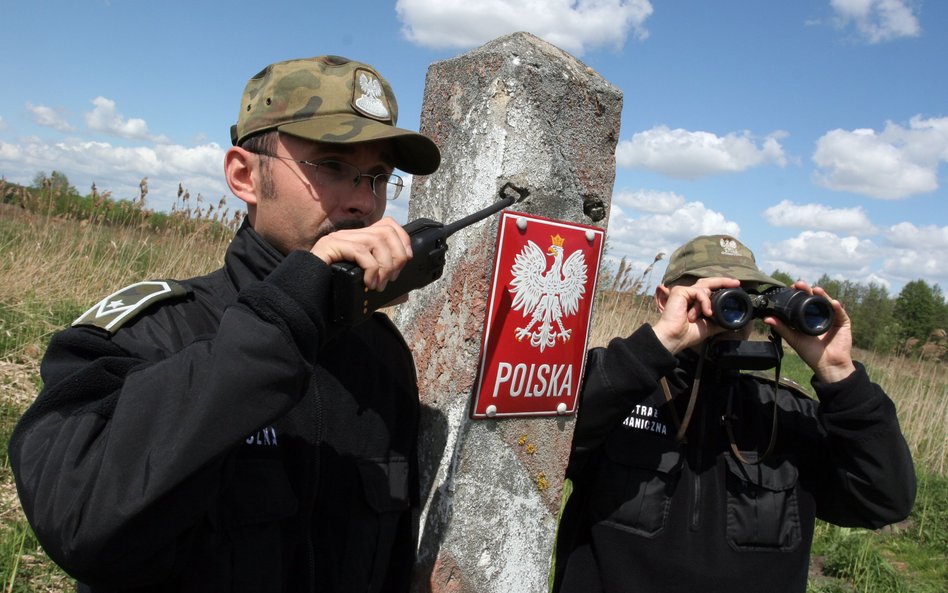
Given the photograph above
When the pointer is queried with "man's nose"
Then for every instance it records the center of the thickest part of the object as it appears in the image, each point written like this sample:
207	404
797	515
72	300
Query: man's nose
361	199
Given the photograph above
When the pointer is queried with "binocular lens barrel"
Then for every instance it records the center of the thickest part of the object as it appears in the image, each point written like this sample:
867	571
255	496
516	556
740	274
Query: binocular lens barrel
733	308
809	313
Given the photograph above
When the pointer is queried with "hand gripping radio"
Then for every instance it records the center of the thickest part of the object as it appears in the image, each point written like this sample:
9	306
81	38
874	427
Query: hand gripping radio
353	303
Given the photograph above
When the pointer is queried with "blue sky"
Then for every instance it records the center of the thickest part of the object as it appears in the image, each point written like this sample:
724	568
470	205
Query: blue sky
815	130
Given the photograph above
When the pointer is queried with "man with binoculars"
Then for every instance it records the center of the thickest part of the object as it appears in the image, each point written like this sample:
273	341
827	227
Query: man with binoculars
687	474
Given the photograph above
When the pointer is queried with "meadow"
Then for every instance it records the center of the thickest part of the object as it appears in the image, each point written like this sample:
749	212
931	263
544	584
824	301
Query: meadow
54	264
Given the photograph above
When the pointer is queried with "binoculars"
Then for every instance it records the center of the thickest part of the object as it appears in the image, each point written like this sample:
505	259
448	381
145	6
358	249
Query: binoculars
733	308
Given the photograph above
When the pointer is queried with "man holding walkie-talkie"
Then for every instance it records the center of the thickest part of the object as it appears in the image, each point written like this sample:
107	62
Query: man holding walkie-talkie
226	433
689	474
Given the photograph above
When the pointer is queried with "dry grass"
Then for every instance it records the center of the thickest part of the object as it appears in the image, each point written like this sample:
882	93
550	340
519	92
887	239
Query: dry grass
78	261
919	389
52	269
623	303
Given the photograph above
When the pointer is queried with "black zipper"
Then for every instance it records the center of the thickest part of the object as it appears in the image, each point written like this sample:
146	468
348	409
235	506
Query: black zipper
317	441
696	470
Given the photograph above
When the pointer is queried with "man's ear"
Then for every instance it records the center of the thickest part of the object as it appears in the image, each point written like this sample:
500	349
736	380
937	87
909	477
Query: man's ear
661	296
239	171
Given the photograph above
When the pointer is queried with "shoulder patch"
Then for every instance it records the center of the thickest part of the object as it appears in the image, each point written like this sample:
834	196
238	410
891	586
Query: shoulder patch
119	307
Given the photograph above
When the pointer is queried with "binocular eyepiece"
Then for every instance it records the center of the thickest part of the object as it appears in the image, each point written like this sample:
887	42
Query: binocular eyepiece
733	308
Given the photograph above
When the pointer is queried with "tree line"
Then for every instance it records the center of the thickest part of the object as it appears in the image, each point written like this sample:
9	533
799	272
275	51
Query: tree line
913	322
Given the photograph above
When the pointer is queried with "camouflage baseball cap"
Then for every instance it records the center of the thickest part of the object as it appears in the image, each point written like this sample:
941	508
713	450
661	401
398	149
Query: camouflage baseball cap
710	256
331	99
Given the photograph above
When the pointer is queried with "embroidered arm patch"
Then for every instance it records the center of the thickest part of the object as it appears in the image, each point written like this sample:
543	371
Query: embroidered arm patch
114	310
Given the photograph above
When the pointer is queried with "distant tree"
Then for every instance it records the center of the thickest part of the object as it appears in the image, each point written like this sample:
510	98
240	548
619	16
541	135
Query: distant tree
873	325
941	321
832	287
56	181
782	276
844	291
918	309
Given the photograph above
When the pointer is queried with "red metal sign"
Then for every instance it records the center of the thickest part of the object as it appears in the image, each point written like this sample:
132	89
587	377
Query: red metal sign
537	324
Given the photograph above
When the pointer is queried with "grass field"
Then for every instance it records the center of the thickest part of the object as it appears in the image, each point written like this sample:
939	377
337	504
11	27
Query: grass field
52	269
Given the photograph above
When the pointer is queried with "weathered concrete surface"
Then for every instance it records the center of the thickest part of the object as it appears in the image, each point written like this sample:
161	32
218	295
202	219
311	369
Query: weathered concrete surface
517	110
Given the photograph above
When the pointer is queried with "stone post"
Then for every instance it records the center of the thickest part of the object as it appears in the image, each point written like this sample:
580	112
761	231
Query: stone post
515	111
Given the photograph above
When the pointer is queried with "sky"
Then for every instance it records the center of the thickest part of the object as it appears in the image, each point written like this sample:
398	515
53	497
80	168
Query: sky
815	131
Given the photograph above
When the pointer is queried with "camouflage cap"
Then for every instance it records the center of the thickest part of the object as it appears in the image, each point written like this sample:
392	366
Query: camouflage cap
331	99
711	256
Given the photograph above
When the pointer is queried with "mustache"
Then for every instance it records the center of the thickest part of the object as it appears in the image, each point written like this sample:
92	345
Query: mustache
331	227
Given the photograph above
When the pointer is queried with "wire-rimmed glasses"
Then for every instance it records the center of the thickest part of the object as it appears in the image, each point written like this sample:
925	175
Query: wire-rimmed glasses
330	172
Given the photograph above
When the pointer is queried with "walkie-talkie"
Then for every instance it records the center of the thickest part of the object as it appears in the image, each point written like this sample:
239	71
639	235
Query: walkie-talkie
353	302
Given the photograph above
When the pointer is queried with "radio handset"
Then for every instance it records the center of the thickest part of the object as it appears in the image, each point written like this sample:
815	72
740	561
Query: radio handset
353	303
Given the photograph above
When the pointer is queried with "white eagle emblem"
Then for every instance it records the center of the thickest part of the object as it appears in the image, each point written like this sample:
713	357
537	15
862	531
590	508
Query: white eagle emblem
547	296
371	102
729	246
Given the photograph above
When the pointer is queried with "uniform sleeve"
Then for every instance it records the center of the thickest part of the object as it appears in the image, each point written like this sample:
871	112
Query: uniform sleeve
120	458
869	477
617	377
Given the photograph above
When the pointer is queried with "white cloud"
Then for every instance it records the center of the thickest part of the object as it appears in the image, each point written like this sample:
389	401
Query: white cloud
906	234
119	169
3	124
668	223
104	118
907	265
822	248
576	26
893	164
905	253
811	254
689	155
819	217
48	117
655	202
878	20
917	252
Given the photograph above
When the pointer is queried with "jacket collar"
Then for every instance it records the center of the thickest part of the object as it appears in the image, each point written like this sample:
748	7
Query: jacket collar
249	257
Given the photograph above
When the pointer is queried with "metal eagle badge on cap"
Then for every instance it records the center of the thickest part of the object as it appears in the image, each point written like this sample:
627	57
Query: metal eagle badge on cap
729	246
368	96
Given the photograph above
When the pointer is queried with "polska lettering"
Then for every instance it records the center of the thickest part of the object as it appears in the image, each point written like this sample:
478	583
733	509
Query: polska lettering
535	380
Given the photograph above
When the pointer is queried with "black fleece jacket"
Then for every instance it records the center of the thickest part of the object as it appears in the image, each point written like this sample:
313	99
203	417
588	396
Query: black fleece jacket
647	513
222	442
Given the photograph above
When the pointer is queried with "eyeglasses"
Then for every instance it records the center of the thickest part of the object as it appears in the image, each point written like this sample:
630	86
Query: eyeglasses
331	173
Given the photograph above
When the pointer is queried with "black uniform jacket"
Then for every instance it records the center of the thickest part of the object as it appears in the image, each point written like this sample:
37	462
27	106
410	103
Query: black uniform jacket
649	514
220	442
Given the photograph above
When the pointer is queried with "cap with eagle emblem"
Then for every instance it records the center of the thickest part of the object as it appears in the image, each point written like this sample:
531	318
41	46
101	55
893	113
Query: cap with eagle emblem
710	256
335	100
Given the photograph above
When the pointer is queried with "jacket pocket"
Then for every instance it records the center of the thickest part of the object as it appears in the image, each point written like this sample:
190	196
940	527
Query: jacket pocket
261	499
762	511
385	484
634	484
378	531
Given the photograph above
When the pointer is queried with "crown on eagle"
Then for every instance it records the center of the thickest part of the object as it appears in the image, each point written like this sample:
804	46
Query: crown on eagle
557	240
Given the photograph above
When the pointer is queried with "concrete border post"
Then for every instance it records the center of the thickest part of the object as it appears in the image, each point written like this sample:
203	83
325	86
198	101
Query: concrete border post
520	111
